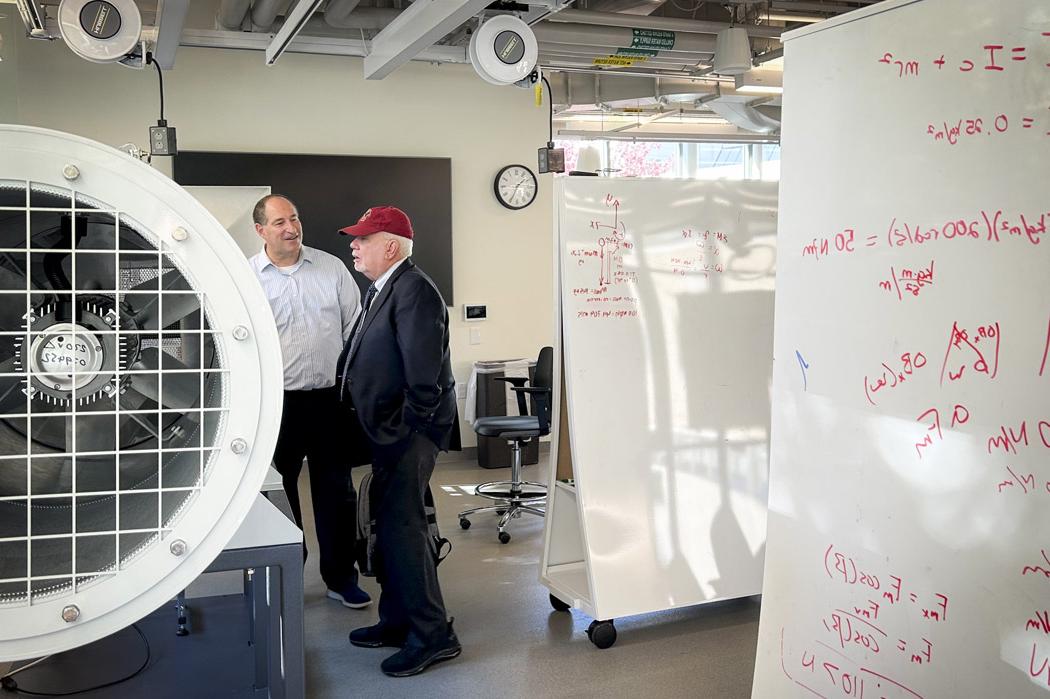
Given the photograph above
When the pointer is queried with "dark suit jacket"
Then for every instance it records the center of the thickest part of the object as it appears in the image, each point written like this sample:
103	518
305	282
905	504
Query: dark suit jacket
399	376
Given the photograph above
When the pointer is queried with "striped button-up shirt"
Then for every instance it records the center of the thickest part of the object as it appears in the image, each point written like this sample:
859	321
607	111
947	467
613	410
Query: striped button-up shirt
315	303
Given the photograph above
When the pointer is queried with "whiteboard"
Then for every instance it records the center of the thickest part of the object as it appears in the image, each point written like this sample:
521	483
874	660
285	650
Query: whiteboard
667	309
232	207
910	479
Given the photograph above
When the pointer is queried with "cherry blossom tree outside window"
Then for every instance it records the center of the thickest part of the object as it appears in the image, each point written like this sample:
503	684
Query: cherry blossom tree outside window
644	159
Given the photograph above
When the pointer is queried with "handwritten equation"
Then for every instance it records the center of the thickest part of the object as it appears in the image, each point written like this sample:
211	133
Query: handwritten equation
612	293
990	227
707	259
878	619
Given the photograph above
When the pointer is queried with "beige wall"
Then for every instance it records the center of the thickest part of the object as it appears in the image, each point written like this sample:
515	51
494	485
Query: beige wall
228	100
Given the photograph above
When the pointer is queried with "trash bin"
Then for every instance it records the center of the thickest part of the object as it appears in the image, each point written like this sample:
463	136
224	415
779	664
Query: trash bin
489	397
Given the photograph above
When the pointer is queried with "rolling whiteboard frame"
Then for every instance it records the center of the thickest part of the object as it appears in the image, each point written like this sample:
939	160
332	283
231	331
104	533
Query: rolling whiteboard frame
902	566
706	474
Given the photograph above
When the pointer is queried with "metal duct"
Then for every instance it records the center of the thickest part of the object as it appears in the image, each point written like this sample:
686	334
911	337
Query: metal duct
360	18
623	37
695	26
264	12
337	11
736	110
619	90
627	7
232	13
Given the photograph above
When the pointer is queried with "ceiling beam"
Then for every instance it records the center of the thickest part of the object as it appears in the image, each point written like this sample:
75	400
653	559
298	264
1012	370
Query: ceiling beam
295	21
171	18
416	29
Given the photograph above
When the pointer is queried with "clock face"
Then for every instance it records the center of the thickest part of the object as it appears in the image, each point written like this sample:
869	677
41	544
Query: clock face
515	186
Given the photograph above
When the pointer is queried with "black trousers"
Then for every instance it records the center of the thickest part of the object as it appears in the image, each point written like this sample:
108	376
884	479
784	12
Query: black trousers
411	597
312	426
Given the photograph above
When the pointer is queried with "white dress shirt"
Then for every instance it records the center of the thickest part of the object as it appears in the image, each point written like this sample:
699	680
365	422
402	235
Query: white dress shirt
315	303
381	282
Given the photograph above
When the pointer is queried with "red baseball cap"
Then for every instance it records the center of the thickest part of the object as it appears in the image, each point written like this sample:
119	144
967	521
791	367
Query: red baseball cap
381	219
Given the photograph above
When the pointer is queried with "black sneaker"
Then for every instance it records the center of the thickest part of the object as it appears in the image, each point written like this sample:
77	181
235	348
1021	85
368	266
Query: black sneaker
412	660
376	637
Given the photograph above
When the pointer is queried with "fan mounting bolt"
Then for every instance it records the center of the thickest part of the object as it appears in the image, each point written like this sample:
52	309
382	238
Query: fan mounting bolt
70	613
240	333
178	547
110	317
71	172
239	446
180	234
108	389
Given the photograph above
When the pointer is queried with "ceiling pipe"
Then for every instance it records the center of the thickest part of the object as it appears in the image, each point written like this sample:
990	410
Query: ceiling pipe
361	18
627	7
793	17
616	37
610	19
337	11
232	13
264	12
601	51
550	58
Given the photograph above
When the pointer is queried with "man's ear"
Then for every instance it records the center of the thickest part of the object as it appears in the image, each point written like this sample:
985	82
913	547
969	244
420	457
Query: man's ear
259	231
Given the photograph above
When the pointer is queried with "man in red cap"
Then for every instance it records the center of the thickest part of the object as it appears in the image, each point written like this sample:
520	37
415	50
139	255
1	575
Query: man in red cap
396	371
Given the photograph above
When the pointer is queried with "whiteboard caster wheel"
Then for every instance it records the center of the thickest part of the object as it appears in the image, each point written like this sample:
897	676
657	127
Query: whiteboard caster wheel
464	523
560	606
602	633
504	537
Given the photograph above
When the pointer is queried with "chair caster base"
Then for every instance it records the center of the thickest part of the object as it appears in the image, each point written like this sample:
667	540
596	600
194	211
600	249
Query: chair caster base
504	537
464	523
558	605
602	633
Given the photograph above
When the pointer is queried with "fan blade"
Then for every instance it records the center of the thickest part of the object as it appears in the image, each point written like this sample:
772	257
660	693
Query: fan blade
180	390
11	395
96	271
172	308
98	235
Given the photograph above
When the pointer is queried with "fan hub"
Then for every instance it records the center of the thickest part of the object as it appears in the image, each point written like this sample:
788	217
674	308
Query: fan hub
72	359
62	353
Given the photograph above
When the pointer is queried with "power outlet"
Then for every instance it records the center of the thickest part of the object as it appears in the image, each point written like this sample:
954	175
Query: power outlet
475	336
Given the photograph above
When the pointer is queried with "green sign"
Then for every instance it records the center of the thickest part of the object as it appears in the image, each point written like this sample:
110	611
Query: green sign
652	39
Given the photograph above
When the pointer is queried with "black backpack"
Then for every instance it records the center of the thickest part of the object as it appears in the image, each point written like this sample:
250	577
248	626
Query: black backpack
440	547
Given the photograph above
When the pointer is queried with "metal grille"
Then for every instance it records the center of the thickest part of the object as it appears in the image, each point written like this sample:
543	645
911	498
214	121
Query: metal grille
112	392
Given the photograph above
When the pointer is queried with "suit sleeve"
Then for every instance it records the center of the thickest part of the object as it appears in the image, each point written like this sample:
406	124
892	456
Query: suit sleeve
421	331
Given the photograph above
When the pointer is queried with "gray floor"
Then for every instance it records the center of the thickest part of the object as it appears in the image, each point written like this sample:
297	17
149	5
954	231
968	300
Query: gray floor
514	644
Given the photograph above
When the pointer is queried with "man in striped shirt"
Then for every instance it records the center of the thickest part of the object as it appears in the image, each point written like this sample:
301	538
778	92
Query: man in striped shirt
315	302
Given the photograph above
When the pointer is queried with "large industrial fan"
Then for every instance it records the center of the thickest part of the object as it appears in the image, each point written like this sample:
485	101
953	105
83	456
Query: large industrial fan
140	390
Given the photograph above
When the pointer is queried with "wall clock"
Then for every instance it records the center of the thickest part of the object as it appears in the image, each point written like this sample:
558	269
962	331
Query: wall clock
515	186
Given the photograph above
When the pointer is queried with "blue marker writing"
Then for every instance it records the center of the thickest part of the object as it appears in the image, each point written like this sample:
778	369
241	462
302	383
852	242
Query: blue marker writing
803	366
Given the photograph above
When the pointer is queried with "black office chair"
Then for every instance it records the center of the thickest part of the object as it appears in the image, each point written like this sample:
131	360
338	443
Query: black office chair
516	496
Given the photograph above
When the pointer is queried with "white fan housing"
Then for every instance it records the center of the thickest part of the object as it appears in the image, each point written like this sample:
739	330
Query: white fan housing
140	390
103	31
503	50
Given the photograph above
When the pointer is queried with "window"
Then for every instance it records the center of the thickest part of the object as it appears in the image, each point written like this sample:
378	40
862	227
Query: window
644	159
704	161
717	161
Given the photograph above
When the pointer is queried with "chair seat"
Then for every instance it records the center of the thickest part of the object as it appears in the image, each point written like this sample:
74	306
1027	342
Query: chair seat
508	426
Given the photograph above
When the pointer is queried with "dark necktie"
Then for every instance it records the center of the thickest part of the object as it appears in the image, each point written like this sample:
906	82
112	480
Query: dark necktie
369	295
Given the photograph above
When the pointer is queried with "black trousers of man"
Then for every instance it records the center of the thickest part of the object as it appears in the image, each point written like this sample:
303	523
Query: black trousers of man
311	426
404	561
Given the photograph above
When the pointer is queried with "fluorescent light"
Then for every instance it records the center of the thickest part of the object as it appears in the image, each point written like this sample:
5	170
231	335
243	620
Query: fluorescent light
760	90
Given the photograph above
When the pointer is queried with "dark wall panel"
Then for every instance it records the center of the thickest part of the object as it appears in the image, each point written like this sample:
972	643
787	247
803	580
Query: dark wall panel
332	191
